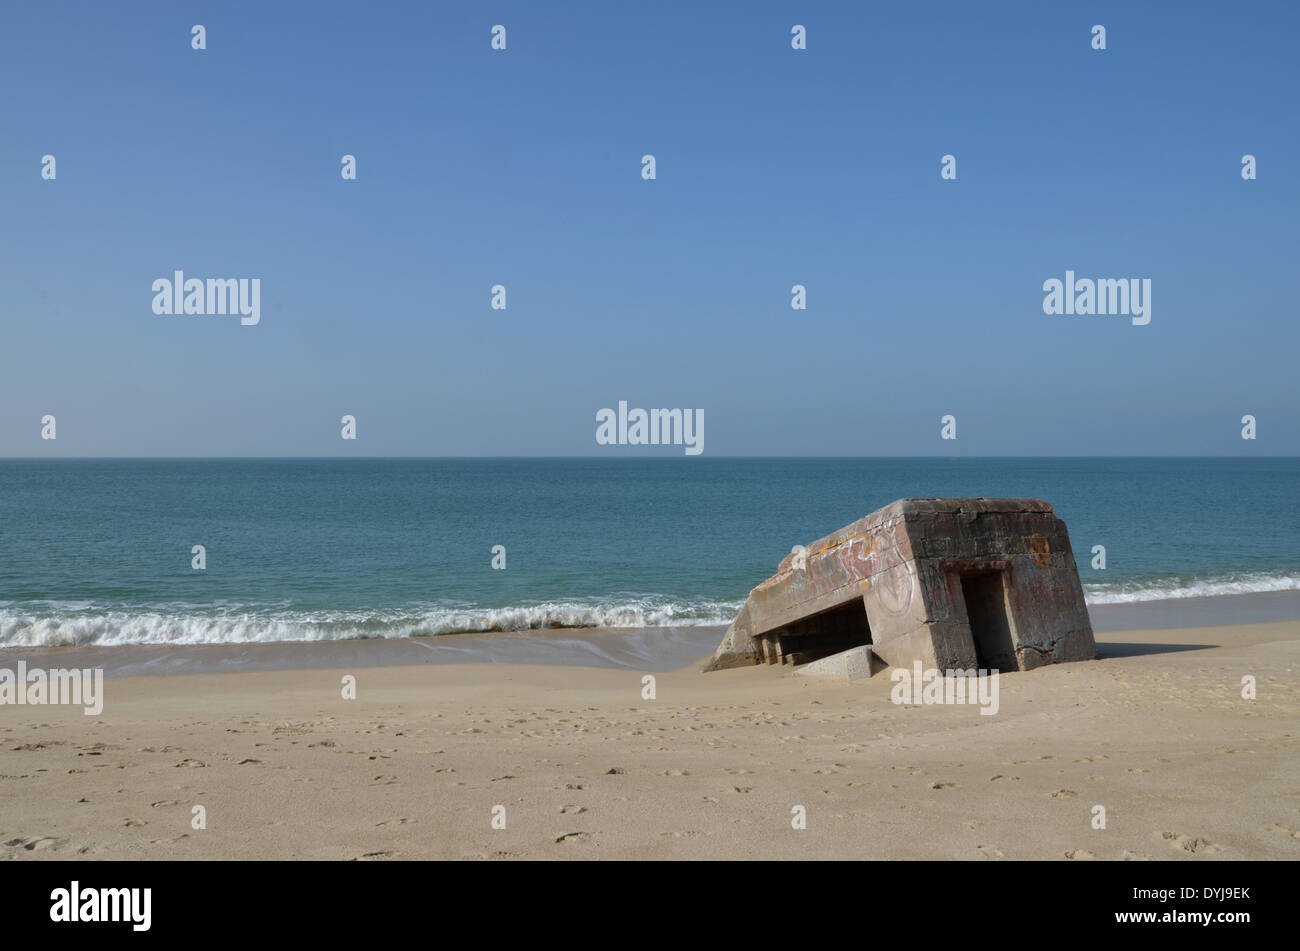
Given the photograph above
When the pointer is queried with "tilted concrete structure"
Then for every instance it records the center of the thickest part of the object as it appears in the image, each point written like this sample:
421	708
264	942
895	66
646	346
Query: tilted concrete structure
953	583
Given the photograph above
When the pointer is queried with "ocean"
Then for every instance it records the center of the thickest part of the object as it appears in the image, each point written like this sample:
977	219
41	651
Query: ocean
99	552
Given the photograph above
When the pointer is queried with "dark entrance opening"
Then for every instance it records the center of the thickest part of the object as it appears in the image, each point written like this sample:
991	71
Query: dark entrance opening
990	625
818	636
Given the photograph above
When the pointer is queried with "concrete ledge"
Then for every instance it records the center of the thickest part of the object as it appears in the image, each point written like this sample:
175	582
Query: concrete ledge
856	663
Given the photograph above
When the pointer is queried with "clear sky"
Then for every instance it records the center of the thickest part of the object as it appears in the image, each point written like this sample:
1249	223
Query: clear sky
522	167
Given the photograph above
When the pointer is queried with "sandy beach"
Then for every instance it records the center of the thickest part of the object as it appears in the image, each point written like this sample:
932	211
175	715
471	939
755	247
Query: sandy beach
1156	731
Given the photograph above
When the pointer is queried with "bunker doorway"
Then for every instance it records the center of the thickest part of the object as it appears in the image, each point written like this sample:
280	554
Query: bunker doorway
985	594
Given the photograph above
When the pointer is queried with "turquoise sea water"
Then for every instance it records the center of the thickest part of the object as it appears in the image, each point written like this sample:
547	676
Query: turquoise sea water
99	552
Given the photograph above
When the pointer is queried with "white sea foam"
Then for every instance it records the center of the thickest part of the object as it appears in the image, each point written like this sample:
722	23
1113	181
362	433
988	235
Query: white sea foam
1175	588
32	626
83	623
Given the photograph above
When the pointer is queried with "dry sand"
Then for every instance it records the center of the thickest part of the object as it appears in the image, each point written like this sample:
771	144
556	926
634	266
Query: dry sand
1157	732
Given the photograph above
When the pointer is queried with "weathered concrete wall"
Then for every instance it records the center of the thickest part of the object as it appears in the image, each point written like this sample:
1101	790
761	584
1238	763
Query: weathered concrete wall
906	562
1024	541
827	574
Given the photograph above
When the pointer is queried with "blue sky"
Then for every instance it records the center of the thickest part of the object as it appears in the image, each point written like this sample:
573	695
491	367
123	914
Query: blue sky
775	167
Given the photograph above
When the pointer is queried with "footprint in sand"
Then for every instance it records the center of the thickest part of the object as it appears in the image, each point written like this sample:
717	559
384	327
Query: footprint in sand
94	749
395	822
133	823
383	780
484	857
571	837
289	730
676	772
1128	856
1187	843
190	764
34	843
1284	831
572	810
990	852
373	856
1064	794
169	841
1079	855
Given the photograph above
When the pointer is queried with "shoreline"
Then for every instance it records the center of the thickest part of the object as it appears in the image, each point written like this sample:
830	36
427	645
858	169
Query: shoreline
651	649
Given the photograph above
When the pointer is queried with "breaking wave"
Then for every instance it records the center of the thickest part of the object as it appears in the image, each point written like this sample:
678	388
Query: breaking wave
47	624
1173	588
89	623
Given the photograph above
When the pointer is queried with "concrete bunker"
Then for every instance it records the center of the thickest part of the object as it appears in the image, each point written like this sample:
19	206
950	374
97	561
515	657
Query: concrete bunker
953	583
